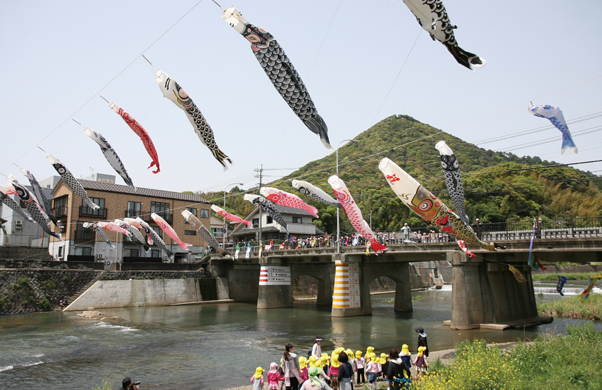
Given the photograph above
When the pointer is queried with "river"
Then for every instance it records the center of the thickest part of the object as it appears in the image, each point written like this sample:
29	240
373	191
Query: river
214	346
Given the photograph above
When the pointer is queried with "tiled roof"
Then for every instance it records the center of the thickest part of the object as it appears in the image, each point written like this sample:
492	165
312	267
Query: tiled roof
118	188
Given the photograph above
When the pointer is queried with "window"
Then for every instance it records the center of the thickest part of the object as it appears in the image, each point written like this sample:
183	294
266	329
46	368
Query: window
217	232
86	210
162	210
204	213
82	251
297	220
190	232
127	252
59	208
255	222
155	253
269	219
84	234
134	209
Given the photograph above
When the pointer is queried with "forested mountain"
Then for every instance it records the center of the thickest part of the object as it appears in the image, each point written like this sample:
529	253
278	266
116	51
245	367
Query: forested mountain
498	186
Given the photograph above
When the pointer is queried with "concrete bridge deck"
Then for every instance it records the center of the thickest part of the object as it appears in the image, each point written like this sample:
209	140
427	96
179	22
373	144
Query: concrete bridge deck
485	291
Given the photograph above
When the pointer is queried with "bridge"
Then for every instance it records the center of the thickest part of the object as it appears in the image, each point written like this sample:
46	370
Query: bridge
485	293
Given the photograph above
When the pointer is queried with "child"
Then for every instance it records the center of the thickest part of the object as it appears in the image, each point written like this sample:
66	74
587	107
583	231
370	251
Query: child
303	371
314	383
422	342
334	369
371	370
420	362
257	379
274	376
360	363
406	355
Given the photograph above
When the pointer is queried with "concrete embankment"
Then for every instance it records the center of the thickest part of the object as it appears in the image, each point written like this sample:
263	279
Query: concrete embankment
128	293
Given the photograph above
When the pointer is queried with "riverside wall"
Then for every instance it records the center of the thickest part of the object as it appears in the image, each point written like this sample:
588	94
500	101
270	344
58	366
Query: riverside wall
130	293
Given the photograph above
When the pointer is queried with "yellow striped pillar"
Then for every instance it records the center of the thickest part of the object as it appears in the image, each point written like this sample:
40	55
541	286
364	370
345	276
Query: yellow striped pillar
347	293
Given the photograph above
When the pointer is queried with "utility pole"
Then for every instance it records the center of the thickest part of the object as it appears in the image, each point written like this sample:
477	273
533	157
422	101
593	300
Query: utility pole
260	176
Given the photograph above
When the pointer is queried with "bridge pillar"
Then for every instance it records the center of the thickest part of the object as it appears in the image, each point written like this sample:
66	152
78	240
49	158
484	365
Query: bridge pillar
403	289
351	296
486	293
274	284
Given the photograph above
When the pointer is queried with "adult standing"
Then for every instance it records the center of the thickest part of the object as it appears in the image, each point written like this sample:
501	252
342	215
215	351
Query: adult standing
537	223
290	365
396	370
405	230
316	350
422	340
478	228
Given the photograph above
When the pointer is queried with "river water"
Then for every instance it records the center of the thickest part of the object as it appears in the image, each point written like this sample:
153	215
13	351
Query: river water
214	346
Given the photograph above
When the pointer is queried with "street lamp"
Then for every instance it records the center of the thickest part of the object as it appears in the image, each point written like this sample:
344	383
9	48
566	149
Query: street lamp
224	236
338	226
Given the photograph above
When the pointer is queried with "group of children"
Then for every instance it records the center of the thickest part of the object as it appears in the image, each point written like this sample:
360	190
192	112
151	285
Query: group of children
336	371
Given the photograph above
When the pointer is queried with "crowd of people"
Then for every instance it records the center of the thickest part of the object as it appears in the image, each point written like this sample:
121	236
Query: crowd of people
342	367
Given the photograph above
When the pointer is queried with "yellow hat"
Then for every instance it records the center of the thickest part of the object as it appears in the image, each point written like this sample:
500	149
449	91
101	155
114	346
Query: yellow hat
369	350
349	354
258	372
421	351
302	362
383	358
405	351
335	359
312	361
373	357
358	354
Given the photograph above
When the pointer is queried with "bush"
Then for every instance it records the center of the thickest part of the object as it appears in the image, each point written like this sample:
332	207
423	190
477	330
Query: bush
574	307
44	304
476	367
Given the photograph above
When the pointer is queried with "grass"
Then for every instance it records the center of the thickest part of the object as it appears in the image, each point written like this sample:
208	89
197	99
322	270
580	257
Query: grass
554	277
573	307
566	362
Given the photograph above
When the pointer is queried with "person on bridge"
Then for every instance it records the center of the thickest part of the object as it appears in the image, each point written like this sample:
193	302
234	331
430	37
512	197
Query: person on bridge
405	230
477	226
538	224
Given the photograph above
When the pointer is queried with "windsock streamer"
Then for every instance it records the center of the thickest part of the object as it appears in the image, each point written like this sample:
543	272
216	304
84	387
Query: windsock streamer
560	285
136	235
354	213
139	130
133	222
156	239
110	154
33	206
71	181
315	193
39	193
280	71
462	246
453	179
8	189
168	230
286	199
228	216
172	90
554	114
203	232
268	207
517	274
112	226
428	206
100	232
592	282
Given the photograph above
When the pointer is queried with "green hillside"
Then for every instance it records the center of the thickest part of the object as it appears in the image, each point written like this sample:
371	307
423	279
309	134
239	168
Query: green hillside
498	186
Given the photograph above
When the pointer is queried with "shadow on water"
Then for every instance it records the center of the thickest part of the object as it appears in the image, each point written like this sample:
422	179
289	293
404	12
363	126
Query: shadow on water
212	346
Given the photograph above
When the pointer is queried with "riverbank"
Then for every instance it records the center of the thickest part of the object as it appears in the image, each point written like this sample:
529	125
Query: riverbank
573	307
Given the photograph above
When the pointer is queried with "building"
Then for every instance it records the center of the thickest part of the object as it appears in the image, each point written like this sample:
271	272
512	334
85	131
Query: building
299	223
118	202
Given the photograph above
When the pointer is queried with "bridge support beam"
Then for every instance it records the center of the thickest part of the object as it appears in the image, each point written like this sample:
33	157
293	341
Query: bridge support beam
274	285
351	295
485	294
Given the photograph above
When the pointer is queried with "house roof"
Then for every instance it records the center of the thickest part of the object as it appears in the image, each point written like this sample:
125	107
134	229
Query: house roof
264	229
122	189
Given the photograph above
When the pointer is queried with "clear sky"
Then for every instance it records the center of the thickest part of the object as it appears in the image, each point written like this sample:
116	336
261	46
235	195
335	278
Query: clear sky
56	56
